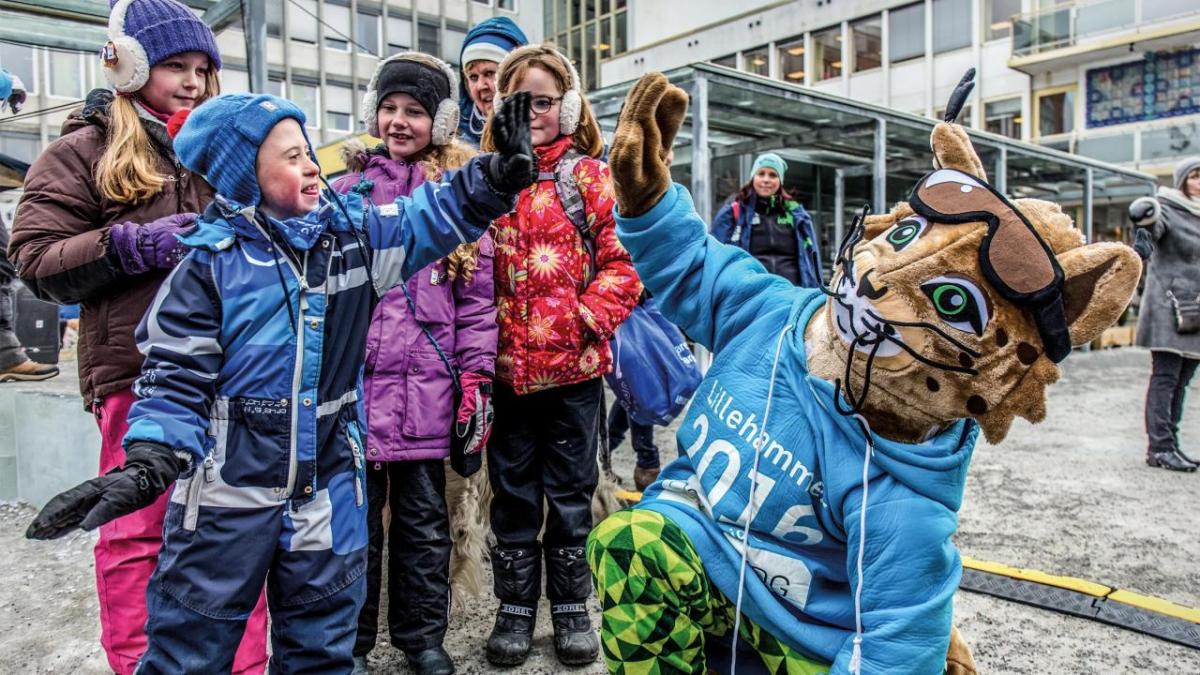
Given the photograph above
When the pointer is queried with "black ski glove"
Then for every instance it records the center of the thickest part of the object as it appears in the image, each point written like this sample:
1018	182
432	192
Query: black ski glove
512	167
1143	243
149	470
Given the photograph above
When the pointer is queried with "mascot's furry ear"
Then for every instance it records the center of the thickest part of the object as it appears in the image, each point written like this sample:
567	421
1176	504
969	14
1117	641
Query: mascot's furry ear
952	147
1100	280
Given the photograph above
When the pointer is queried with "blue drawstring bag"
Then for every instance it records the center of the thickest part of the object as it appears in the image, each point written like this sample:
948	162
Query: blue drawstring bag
654	373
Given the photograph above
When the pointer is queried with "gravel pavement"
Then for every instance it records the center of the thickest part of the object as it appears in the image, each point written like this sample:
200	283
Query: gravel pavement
1070	496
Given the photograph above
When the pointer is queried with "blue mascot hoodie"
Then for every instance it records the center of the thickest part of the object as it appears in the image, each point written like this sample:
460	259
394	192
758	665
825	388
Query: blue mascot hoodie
804	529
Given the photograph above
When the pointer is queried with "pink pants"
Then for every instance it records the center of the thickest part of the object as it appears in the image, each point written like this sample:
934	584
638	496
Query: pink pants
126	556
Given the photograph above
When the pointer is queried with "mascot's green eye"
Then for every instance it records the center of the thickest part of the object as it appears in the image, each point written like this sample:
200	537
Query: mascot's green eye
959	303
906	231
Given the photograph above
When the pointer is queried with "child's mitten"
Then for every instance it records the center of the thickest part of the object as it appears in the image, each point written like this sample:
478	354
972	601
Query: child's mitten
652	115
512	167
148	471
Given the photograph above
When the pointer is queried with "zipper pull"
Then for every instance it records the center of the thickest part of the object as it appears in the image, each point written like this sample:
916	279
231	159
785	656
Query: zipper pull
303	293
210	474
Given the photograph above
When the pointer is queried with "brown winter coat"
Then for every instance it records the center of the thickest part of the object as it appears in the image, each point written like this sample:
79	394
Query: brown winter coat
60	244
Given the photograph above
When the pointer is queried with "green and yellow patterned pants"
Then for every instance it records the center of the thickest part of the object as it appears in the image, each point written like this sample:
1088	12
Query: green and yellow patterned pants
658	606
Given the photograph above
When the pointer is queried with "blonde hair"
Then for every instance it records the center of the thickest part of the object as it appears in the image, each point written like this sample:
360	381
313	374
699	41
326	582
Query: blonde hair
463	260
587	138
128	170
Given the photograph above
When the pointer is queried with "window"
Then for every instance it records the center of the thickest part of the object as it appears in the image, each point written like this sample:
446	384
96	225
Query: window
338	108
827	53
307	97
999	15
452	42
64	74
1003	117
951	25
301	20
621	43
427	37
337	27
399	35
368	31
756	61
507	5
906	32
18	60
727	61
275	19
19	146
275	87
1055	112
791	60
234	81
866	36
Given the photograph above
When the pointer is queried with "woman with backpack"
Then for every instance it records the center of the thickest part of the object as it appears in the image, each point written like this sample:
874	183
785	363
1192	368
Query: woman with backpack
563	285
427	337
765	220
97	225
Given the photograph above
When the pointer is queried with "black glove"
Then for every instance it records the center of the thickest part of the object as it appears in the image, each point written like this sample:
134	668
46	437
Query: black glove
1143	243
513	166
149	470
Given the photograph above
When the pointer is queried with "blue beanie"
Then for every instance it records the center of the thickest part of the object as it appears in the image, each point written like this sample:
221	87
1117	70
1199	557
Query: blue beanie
165	28
489	38
221	137
769	160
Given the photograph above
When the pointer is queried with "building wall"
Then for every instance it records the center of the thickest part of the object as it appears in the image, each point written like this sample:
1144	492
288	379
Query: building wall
919	50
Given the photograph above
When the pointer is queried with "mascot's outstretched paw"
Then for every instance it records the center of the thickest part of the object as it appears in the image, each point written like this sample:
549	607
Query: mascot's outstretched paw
653	113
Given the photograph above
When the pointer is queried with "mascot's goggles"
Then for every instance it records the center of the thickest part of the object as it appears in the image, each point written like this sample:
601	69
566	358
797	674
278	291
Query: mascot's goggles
1013	257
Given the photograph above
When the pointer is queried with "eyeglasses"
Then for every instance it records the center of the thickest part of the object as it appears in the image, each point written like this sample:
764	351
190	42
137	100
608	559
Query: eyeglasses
542	104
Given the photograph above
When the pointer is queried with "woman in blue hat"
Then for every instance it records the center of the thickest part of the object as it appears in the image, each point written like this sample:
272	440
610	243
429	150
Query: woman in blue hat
483	49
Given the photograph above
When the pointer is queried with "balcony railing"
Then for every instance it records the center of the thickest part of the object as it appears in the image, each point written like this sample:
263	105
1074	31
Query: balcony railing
1067	24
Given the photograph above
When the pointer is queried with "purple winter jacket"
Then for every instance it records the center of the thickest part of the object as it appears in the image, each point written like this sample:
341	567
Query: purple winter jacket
409	398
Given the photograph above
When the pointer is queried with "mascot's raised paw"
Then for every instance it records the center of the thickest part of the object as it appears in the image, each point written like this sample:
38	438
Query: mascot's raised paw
654	109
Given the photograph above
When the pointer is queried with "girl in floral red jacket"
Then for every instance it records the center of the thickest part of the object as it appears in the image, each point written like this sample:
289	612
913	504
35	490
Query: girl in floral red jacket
561	291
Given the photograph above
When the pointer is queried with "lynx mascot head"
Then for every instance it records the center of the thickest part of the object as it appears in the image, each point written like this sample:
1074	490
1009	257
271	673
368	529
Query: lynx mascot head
828	446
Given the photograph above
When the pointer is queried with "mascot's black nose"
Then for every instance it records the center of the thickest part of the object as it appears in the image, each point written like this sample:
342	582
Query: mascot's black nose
868	291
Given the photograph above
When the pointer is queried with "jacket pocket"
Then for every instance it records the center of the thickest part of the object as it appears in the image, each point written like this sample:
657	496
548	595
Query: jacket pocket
258	443
204	474
354	439
428	398
432	296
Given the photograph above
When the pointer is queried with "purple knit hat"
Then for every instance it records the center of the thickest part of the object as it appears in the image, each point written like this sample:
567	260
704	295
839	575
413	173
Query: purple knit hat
165	28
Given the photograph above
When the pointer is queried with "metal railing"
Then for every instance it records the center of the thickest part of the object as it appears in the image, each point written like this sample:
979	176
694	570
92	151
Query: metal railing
1065	25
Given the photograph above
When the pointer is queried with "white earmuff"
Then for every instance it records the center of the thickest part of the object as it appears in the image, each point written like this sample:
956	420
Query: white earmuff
125	64
445	119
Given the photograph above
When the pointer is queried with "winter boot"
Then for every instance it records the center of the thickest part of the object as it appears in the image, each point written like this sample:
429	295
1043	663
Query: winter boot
644	478
432	661
1169	460
568	585
518	585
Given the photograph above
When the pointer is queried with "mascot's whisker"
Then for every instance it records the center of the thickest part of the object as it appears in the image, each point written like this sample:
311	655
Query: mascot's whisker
928	326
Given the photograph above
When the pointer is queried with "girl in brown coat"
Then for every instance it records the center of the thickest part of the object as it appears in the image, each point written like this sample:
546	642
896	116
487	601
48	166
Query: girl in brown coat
96	226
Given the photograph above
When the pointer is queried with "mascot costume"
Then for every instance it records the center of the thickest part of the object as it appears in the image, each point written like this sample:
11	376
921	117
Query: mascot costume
822	461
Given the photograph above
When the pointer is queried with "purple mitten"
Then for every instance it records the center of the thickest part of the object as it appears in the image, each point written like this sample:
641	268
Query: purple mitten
141	247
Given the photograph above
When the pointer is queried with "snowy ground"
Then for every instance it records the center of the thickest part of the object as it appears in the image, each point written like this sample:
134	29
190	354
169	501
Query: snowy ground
1071	496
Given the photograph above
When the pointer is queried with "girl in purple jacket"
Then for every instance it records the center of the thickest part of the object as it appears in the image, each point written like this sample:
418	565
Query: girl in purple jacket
408	386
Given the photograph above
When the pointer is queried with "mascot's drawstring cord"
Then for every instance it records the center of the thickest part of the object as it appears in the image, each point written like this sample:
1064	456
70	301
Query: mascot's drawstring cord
737	612
856	654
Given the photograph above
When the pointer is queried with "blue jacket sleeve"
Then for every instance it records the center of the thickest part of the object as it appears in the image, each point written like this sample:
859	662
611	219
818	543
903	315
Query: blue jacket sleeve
722	225
414	231
710	290
808	233
180	337
910	573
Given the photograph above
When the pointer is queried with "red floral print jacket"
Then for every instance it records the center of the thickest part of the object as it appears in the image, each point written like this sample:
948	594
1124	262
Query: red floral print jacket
554	322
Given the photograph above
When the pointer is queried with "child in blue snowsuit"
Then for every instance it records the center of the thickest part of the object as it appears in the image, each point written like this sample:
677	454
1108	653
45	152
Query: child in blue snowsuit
254	347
